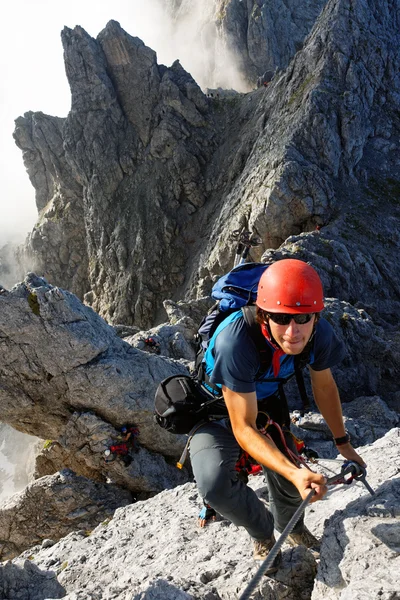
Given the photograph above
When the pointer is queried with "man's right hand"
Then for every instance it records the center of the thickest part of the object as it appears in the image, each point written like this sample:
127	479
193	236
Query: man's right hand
306	480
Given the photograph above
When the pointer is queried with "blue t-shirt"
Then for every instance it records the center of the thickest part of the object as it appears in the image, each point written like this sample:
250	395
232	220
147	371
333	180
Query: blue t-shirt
232	358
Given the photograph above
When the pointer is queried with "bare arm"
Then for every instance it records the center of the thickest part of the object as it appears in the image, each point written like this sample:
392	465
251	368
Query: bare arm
242	410
327	399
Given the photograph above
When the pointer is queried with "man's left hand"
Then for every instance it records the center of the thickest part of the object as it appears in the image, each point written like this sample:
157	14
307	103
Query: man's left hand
349	453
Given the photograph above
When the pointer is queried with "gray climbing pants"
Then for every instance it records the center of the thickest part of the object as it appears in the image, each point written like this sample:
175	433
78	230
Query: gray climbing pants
214	452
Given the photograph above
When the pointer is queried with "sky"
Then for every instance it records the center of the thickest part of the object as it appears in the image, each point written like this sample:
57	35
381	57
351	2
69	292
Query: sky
32	75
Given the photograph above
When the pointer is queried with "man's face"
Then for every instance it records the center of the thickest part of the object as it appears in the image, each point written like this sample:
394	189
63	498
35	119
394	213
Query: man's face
292	338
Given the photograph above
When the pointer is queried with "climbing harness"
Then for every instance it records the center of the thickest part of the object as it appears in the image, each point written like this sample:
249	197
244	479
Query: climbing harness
265	423
350	471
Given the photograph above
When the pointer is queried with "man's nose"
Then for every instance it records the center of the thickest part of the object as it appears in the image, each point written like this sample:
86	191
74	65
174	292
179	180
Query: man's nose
293	326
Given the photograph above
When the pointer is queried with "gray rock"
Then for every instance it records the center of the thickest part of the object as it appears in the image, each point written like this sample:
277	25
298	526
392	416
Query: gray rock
124	331
66	376
265	36
366	419
53	457
361	545
61	503
27	581
239	40
112	79
285	159
57	244
369	419
154	548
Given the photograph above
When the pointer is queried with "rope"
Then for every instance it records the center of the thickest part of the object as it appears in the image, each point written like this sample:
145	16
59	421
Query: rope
295	458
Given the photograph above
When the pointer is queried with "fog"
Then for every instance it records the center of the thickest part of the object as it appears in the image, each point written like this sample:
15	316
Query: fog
192	36
16	460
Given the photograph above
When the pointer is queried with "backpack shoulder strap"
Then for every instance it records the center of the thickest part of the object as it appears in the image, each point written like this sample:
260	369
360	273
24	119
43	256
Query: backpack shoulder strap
254	329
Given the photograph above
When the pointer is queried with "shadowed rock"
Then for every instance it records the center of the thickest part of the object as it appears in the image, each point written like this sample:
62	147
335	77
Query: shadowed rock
27	581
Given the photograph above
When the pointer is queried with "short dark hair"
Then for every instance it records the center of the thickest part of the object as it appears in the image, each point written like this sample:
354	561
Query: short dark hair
261	316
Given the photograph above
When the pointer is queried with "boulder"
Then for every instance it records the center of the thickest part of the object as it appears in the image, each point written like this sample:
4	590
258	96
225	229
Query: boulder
52	507
67	377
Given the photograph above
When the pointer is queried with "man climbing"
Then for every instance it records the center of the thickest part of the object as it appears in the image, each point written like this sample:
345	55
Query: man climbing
125	448
289	300
129	435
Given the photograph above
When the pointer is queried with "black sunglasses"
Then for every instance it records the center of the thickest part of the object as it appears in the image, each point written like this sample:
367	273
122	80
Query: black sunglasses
284	318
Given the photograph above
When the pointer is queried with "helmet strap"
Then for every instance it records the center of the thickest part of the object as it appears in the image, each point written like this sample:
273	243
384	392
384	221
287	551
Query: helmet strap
268	335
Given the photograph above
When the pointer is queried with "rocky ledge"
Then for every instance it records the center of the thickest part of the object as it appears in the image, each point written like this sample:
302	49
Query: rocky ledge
153	549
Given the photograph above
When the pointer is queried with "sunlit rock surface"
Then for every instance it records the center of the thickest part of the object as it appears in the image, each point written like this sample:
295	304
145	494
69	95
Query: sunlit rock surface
154	549
52	507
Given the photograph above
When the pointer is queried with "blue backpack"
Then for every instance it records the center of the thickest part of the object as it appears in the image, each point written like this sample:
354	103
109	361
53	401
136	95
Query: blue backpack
233	291
238	287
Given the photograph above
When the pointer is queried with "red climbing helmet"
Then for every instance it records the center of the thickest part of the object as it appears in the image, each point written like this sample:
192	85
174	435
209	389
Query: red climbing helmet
290	286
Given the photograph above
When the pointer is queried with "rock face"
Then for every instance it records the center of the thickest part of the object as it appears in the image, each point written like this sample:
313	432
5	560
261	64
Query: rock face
58	241
264	36
161	174
133	126
360	555
66	376
149	540
316	157
366	419
52	507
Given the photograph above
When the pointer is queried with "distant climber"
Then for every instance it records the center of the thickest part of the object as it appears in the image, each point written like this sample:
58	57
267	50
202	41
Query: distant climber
130	433
152	345
115	450
124	449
